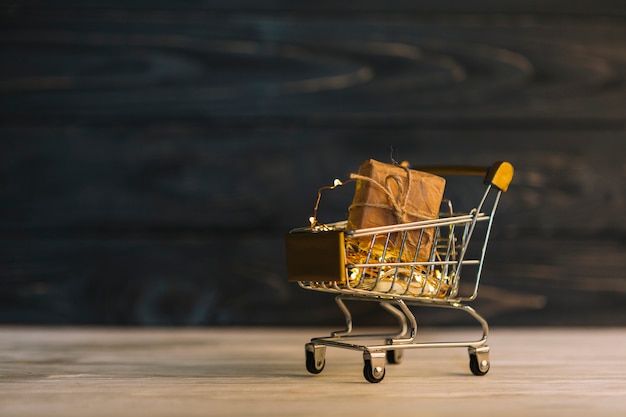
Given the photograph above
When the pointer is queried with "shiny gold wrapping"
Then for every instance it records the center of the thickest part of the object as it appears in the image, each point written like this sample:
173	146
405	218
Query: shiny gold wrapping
408	280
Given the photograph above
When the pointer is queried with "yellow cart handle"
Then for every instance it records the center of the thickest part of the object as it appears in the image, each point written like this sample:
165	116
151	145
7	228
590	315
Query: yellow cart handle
499	174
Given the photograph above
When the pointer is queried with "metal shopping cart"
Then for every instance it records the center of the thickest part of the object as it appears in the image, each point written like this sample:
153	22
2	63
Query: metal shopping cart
378	264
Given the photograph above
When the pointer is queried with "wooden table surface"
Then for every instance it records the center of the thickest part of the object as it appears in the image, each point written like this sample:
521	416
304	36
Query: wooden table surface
49	371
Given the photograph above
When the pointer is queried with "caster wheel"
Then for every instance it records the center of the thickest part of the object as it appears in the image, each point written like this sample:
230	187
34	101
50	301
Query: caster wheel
394	357
314	364
373	374
478	368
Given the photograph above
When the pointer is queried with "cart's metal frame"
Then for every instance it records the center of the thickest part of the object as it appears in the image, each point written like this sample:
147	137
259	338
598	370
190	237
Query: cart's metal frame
449	253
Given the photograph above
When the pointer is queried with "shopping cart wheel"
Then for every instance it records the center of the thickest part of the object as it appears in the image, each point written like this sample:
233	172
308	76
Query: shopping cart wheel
374	366
394	356
315	358
372	373
479	360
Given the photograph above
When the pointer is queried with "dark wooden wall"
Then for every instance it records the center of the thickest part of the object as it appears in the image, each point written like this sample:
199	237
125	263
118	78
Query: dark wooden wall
154	154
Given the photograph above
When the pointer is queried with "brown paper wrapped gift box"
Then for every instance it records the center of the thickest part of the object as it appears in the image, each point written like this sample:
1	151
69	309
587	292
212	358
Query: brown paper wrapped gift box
389	194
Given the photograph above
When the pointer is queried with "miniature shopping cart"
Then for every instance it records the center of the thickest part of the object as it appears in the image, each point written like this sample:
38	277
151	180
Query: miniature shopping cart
378	264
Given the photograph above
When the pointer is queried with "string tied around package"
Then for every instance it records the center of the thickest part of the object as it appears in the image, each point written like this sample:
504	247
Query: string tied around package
398	206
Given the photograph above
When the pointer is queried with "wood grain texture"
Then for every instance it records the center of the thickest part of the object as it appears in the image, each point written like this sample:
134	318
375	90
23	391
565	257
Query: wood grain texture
153	156
260	372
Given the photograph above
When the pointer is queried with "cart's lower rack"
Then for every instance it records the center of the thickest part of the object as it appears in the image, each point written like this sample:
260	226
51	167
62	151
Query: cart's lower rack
376	356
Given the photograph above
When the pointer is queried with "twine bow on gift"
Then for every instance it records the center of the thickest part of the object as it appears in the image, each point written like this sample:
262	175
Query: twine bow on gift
398	206
398	200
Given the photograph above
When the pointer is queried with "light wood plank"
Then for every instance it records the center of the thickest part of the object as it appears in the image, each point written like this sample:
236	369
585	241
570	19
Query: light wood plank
70	372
